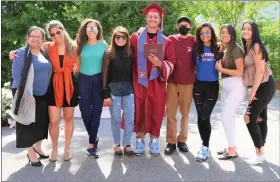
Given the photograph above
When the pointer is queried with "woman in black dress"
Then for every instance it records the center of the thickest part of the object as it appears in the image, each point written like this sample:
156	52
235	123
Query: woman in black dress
30	136
63	86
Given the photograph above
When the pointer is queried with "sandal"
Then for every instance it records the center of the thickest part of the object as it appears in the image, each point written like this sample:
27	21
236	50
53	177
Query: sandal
118	150
221	152
67	156
128	151
42	156
53	157
227	157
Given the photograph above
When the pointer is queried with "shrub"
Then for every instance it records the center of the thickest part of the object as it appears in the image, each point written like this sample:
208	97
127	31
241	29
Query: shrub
7	99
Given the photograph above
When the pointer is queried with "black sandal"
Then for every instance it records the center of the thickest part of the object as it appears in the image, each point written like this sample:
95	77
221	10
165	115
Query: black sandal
128	152
42	156
221	152
119	152
227	157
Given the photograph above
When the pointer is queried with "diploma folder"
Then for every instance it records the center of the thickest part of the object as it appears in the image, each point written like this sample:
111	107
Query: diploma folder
155	49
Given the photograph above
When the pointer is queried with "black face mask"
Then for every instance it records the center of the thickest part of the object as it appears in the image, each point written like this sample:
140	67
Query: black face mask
184	30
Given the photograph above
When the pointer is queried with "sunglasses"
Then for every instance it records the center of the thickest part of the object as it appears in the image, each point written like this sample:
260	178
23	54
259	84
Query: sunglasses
206	33
57	33
95	29
118	37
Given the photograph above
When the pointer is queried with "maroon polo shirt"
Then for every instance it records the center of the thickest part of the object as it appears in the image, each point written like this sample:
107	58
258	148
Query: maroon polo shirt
184	70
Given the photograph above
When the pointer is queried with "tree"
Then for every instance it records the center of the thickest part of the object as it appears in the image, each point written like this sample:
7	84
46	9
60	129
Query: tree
17	16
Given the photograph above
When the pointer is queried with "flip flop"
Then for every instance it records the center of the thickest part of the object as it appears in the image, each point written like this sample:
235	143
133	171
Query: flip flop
221	152
227	157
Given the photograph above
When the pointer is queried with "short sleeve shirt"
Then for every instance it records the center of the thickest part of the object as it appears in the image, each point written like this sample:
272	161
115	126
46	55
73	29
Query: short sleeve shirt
236	53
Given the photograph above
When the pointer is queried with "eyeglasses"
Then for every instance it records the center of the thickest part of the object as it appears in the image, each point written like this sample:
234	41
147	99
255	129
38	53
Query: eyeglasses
118	37
35	37
205	33
57	33
95	29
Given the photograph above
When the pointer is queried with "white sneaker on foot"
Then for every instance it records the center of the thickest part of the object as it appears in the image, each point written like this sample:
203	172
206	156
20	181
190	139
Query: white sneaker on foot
257	160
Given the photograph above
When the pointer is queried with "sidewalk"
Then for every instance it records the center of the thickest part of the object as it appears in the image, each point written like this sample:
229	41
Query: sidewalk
178	167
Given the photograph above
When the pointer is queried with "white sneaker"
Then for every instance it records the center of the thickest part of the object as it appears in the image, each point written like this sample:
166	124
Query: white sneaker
257	160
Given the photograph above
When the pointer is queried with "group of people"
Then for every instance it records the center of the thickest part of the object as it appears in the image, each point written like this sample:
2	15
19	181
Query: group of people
88	72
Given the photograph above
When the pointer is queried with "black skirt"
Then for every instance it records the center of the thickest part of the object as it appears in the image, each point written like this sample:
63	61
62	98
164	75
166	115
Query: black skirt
27	135
74	100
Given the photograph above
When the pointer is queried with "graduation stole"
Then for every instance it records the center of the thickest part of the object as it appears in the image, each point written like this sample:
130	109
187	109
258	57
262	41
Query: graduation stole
142	60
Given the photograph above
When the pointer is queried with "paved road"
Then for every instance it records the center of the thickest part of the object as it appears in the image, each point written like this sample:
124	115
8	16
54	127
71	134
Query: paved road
177	167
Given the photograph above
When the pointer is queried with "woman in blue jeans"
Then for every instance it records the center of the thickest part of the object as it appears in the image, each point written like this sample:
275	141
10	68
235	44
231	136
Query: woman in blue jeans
91	49
118	88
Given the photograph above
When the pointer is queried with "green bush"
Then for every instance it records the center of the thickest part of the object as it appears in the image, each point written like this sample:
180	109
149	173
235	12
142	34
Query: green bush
7	99
275	65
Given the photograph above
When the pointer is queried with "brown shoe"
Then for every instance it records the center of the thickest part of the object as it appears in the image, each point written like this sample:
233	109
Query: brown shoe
67	155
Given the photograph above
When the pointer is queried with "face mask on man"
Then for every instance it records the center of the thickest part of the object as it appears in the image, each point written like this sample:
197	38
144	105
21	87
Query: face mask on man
184	30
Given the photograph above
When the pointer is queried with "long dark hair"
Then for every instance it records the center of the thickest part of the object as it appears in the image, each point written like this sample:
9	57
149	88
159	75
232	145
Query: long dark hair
232	43
82	37
256	39
199	45
113	46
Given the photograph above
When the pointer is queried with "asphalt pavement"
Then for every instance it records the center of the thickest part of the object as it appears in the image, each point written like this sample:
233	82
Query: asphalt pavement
178	167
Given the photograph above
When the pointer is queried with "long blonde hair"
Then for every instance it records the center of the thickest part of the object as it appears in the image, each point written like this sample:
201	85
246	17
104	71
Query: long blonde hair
68	41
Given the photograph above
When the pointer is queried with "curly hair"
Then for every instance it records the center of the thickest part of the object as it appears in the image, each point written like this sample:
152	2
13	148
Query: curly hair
82	37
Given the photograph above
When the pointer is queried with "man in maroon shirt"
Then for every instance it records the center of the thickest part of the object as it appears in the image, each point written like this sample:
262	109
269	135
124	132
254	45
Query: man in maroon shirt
180	86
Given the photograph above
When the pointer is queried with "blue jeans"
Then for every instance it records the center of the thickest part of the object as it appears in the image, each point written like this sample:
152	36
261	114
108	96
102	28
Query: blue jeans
127	103
91	103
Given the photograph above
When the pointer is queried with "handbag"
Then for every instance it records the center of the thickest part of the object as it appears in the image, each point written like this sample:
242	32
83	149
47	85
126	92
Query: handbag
27	108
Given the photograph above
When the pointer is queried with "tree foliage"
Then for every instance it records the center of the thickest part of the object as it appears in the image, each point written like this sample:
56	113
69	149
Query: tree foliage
17	16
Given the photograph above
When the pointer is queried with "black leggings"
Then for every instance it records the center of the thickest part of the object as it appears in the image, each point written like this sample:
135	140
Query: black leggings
205	95
258	108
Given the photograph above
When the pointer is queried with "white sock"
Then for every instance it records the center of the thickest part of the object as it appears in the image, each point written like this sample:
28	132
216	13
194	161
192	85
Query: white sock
260	158
154	140
204	147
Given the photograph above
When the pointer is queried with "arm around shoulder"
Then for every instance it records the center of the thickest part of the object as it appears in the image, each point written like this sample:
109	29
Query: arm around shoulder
46	46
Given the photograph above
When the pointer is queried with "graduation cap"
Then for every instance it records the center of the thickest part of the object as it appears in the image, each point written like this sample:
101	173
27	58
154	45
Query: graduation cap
154	8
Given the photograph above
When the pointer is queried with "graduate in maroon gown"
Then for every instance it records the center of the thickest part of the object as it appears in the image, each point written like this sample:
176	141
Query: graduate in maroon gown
149	79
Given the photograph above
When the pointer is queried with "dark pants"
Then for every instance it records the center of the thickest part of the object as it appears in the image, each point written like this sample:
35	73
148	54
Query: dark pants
91	102
205	95
258	108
